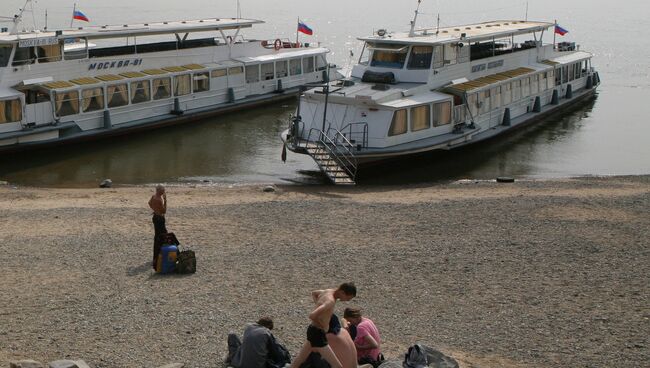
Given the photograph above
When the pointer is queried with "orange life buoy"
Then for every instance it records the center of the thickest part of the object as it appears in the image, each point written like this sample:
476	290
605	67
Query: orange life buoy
277	45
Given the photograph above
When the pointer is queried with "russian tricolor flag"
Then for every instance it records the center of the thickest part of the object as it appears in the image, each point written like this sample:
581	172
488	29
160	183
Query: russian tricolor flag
561	31
79	16
302	27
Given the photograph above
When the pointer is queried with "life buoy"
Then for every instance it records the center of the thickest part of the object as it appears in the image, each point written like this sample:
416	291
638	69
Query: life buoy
277	44
229	39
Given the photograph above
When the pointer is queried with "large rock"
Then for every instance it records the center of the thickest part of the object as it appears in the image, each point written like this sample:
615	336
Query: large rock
25	364
68	364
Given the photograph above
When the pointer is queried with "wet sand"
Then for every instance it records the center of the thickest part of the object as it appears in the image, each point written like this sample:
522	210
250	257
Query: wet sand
531	274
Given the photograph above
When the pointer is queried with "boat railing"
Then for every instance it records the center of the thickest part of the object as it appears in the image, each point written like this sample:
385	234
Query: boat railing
356	134
341	153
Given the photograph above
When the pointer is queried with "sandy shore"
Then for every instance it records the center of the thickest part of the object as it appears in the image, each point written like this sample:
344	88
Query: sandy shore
530	274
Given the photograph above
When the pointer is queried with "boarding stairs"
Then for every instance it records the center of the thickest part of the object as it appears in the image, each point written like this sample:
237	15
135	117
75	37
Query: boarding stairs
333	155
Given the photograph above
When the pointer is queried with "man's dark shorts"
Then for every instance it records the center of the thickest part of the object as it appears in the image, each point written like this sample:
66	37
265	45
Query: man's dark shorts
316	337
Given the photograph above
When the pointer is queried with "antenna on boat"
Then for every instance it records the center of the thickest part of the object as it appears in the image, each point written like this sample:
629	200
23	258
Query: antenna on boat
415	18
526	19
18	18
438	25
238	10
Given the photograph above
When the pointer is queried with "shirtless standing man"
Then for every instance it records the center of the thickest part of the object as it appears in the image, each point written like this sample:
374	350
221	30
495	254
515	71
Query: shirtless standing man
158	204
325	301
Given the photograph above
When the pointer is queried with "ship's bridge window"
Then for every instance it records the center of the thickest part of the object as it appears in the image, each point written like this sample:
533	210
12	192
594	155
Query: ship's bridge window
281	69
201	82
442	113
24	55
420	118
10	111
308	64
420	57
438	59
92	99
235	70
5	54
267	71
182	85
388	55
398	125
162	88
451	54
321	63
117	95
295	67
49	53
140	91
66	103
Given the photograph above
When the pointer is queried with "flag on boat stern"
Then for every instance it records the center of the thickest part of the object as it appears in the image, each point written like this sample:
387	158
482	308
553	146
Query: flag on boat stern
302	27
79	16
561	31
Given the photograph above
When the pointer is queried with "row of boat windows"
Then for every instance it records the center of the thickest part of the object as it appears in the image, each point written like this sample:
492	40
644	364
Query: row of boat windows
420	118
10	111
121	94
421	57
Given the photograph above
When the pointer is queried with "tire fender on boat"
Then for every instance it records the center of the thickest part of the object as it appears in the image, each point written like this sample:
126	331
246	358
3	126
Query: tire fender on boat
277	44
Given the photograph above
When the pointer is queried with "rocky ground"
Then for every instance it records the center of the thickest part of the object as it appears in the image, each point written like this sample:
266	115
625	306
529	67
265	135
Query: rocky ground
530	274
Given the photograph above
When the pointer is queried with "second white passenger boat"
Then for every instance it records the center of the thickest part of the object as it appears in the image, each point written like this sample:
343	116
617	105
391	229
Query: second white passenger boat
437	89
89	82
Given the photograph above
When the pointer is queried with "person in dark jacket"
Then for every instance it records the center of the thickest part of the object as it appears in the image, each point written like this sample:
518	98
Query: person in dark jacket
258	347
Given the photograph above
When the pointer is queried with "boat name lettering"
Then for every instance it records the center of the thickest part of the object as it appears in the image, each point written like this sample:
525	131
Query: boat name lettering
114	64
495	64
478	68
38	42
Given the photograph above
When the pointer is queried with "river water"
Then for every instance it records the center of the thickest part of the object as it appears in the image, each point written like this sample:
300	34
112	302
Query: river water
608	135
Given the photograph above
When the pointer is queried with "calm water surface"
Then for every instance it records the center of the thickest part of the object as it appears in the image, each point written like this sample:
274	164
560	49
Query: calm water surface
608	135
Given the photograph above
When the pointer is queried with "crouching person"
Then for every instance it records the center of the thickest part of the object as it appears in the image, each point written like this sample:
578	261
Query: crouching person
258	347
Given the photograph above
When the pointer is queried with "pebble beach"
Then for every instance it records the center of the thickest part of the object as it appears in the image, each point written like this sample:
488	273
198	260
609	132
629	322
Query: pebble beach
542	273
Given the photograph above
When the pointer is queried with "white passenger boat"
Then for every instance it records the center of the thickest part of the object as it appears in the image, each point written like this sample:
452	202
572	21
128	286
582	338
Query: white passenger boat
437	89
88	82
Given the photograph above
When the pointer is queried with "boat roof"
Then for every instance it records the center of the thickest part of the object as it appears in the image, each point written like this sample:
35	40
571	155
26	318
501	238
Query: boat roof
417	99
474	32
142	29
281	55
489	80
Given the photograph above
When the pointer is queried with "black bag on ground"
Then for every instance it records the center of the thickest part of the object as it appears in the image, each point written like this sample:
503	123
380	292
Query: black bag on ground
419	356
186	262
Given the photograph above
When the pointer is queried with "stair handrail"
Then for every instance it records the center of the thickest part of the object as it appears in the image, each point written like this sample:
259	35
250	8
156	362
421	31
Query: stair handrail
364	132
342	158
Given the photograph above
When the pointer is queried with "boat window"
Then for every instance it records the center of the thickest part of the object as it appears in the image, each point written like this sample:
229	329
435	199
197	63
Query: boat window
438	57
218	73
534	84
472	104
516	90
201	82
140	91
484	101
117	95
572	72
92	99
267	71
451	54
182	85
308	64
321	63
162	88
295	67
525	87
365	54
463	54
506	93
442	113
565	74
10	111
398	125
550	79
74	49
252	73
420	118
542	81
235	70
388	55
34	96
66	103
281	69
420	57
495	94
5	54
24	55
49	53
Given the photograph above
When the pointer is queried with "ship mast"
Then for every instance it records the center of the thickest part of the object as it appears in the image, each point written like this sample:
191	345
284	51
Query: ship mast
415	18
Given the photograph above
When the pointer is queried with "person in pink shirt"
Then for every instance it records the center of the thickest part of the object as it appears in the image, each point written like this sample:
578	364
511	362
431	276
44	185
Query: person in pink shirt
367	339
